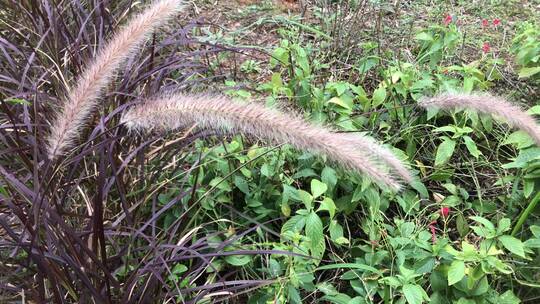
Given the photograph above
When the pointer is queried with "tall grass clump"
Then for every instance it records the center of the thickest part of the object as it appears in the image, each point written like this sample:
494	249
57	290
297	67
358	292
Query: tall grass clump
82	99
219	113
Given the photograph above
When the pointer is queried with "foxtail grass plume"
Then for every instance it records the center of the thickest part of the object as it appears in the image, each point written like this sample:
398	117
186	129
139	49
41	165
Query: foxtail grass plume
219	113
488	104
82	99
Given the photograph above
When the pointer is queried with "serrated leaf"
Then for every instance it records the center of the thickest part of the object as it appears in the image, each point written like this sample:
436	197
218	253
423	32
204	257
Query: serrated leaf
314	231
456	272
513	245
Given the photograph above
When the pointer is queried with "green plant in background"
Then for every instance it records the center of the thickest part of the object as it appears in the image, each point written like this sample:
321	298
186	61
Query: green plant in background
526	47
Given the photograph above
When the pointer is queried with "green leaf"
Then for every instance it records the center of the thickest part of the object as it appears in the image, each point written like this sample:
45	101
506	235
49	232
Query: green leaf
306	198
513	245
424	36
520	139
378	96
504	225
336	233
456	272
241	184
528	72
338	101
414	293
329	177
238	260
318	188
534	110
508	298
350	266
471	146
314	231
535	230
328	205
489	225
444	152
294	224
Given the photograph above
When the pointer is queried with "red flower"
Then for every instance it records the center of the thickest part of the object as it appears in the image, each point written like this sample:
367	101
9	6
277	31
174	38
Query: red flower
485	23
486	47
447	19
445	211
496	21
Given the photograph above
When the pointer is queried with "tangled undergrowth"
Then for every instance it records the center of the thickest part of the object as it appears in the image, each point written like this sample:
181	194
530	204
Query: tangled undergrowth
98	207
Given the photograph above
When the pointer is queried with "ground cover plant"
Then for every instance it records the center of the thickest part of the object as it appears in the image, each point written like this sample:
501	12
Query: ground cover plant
269	152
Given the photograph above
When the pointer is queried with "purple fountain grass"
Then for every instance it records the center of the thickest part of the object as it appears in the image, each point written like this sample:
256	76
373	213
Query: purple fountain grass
220	113
82	99
488	104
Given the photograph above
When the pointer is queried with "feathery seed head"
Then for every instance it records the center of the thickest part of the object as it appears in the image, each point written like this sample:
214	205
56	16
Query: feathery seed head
229	117
487	104
82	99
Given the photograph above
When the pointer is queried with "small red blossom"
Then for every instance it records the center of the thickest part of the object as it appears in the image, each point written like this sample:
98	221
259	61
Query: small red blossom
447	19
445	71
445	211
486	47
496	21
485	23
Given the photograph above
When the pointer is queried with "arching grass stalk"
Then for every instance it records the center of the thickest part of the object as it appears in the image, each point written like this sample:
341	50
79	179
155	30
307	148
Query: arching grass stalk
526	213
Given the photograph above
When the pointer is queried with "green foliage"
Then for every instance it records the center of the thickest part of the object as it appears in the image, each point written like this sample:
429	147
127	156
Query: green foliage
526	47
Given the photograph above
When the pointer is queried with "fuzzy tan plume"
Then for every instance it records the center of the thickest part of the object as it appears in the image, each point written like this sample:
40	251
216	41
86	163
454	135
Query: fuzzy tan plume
82	99
220	113
488	104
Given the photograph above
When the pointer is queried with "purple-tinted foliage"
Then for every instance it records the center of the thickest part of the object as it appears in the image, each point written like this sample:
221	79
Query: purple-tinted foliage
76	229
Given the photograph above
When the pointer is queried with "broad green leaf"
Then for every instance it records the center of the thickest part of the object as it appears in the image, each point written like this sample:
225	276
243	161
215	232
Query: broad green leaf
424	36
456	272
294	224
318	188
329	177
378	96
528	72
338	101
504	225
513	245
534	110
314	231
238	260
306	198
508	298
328	205
471	146
241	184
444	152
520	139
336	233
489	225
535	230
414	293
